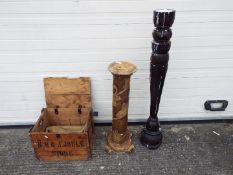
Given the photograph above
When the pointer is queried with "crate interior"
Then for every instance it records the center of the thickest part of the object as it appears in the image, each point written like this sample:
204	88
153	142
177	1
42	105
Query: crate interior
63	119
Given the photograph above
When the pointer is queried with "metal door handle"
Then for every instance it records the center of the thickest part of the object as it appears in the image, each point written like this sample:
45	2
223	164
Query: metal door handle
216	105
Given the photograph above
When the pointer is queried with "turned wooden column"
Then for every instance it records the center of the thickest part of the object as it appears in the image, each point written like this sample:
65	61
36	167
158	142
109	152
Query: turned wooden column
151	135
119	137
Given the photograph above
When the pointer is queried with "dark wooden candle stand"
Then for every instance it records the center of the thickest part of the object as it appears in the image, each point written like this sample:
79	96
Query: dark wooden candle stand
151	135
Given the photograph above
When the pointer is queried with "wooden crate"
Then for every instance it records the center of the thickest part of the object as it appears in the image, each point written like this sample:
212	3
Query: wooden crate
64	129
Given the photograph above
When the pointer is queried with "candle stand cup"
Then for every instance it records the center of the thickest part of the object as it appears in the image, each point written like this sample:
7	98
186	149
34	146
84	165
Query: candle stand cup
164	18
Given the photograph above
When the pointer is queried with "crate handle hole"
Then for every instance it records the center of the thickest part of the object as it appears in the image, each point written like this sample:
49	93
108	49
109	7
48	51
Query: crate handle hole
56	111
41	122
80	109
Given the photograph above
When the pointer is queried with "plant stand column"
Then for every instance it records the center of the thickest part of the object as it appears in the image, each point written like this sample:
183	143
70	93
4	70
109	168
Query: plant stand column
151	135
119	137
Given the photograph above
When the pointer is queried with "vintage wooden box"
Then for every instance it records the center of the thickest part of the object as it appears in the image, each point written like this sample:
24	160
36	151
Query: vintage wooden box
64	129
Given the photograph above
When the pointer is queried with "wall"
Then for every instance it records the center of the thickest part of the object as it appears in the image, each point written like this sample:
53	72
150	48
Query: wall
40	38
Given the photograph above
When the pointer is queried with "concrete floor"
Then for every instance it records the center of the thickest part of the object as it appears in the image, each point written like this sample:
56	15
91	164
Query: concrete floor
200	149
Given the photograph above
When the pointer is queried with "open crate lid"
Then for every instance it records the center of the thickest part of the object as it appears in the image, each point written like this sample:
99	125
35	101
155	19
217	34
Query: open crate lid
68	92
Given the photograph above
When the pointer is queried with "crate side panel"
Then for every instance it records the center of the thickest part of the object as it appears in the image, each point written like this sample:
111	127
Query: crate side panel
68	100
50	146
67	85
42	122
68	116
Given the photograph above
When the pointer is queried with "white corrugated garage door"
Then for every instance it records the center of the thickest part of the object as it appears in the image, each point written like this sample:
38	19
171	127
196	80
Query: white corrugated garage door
40	38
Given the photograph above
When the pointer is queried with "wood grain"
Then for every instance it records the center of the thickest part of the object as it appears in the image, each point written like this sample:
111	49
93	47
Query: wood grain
119	137
67	85
64	130
67	92
67	100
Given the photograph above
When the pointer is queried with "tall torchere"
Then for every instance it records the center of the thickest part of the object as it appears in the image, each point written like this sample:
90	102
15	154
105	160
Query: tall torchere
151	135
119	137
